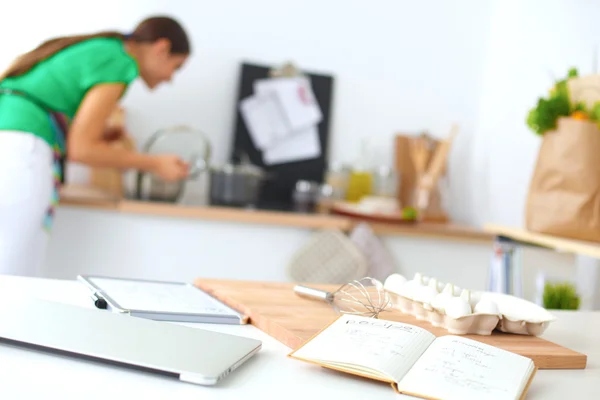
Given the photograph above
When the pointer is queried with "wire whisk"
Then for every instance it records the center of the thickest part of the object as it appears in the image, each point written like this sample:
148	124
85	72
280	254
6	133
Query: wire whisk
365	297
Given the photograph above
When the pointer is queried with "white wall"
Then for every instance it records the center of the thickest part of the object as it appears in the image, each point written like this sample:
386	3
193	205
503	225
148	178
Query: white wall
400	66
529	42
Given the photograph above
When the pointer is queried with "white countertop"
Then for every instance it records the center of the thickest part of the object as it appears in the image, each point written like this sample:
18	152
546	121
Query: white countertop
270	374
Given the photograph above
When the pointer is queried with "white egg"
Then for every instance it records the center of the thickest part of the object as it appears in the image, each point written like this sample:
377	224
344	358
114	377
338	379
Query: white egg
425	294
440	300
466	296
475	298
418	278
394	282
457	307
409	289
448	289
487	307
441	286
433	283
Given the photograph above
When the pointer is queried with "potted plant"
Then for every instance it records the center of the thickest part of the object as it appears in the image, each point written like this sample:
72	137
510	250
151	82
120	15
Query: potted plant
561	296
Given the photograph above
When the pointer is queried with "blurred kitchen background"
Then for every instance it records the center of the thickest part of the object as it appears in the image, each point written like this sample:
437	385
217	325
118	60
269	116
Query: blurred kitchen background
382	72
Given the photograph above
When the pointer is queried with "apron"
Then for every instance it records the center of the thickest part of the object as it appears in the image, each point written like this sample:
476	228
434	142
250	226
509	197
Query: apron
60	124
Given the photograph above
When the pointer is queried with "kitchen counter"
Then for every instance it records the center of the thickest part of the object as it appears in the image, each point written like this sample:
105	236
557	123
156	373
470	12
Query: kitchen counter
269	375
92	198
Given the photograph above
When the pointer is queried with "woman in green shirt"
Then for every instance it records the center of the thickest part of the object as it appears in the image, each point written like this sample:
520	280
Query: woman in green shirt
55	102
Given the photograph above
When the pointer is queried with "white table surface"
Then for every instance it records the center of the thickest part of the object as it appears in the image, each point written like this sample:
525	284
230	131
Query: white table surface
26	374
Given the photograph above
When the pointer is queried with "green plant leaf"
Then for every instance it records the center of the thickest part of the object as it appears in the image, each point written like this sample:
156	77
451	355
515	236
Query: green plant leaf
573	73
595	112
561	296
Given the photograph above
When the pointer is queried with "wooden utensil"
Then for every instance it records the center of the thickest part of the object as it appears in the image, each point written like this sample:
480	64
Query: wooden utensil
429	179
419	152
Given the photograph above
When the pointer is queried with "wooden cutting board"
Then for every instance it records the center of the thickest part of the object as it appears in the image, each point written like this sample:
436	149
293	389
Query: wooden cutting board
275	309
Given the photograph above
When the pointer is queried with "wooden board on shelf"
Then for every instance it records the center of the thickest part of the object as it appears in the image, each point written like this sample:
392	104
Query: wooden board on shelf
354	212
275	309
591	249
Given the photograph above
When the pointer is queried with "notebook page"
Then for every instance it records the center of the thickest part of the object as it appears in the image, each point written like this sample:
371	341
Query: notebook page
464	369
388	347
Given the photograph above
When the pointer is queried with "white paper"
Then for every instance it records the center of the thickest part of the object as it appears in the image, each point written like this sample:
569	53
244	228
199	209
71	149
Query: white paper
264	119
296	99
299	146
465	369
282	118
388	347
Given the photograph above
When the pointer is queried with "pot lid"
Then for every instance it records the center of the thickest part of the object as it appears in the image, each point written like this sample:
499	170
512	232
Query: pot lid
242	169
188	143
245	167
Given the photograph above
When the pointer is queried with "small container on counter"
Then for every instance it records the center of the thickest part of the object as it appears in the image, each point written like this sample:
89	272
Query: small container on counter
385	182
360	181
326	199
305	196
336	178
360	185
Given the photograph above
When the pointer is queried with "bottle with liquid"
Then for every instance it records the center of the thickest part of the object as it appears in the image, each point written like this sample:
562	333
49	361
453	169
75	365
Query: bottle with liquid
360	182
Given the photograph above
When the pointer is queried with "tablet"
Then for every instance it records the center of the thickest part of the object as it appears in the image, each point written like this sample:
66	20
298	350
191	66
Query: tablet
159	300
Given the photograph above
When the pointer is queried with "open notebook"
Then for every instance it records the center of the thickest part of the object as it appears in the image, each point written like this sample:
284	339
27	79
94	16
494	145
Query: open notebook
417	363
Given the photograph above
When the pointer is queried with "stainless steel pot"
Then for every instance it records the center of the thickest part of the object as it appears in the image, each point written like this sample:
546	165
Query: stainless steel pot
152	188
191	145
236	185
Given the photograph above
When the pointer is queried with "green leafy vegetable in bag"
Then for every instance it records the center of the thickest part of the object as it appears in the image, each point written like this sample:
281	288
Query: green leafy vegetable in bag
595	113
544	116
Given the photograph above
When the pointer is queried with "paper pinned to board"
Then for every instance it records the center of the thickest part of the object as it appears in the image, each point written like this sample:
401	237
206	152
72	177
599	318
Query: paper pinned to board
300	146
282	118
263	119
296	99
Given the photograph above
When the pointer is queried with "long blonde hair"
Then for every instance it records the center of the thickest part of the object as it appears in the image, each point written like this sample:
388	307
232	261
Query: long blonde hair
149	30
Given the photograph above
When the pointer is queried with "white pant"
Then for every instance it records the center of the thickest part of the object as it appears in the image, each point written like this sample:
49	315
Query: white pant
26	181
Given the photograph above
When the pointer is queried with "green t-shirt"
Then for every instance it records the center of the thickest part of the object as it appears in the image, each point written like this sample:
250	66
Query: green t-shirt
61	83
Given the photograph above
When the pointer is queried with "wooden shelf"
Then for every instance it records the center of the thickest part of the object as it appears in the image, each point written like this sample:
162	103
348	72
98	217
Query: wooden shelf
93	198
590	249
309	221
435	231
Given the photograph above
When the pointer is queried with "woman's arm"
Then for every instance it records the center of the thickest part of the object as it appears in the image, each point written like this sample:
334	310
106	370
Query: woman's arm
86	143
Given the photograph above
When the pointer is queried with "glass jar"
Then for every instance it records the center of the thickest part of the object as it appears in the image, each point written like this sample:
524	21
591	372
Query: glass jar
385	182
360	184
336	177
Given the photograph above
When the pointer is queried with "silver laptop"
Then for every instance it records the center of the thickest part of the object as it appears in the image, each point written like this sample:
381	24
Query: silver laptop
192	355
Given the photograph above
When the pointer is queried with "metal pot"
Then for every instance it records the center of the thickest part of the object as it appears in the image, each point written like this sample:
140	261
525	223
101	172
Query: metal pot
152	188
189	144
236	185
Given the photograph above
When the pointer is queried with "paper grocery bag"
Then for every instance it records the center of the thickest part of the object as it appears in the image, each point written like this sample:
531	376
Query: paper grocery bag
564	192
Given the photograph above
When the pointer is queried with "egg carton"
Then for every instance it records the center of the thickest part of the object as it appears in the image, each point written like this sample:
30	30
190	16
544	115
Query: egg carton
461	311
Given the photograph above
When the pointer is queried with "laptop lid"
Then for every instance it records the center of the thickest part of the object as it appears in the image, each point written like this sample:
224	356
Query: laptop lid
192	355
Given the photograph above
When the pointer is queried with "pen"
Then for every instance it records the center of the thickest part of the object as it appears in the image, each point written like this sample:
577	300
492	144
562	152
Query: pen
99	302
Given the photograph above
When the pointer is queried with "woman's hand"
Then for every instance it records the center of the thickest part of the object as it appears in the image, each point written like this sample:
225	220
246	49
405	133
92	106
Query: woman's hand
170	167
